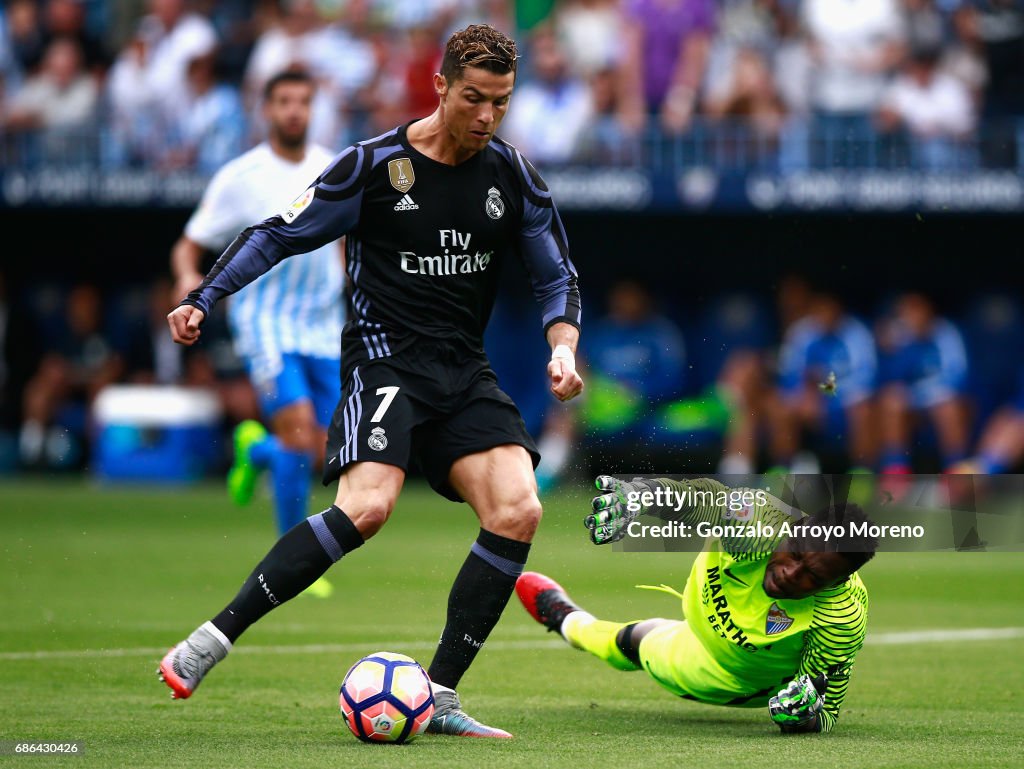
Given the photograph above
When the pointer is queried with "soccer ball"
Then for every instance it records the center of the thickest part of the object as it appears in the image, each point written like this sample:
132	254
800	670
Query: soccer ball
386	697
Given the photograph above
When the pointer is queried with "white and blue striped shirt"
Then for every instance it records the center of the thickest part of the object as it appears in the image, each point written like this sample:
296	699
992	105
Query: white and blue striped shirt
297	306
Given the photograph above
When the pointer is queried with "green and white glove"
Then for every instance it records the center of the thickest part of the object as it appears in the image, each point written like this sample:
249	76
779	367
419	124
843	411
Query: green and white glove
615	507
796	708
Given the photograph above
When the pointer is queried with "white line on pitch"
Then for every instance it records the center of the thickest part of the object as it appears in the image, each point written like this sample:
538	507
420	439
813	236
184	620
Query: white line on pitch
59	654
942	636
876	639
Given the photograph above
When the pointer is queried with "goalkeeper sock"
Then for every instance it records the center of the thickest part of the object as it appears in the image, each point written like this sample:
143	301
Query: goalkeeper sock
290	472
295	562
599	637
478	596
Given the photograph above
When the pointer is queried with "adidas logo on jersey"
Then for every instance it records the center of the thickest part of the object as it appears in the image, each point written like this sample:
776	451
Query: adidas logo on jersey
406	204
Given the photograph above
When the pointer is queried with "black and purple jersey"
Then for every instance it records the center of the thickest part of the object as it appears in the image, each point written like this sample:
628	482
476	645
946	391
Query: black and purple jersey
425	243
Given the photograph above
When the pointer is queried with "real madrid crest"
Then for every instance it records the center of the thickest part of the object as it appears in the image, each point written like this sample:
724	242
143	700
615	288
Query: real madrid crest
401	174
494	206
377	441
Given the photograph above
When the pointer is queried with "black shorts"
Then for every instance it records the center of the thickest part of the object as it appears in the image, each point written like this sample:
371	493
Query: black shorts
430	402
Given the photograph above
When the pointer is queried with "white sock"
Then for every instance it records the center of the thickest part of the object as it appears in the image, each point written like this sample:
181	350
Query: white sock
735	464
213	630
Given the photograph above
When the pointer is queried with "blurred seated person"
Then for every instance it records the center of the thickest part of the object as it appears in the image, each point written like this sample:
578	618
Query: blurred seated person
924	375
152	358
73	370
826	378
636	360
1001	446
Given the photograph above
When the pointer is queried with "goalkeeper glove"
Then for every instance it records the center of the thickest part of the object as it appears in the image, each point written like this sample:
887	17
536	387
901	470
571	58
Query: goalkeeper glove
796	708
614	509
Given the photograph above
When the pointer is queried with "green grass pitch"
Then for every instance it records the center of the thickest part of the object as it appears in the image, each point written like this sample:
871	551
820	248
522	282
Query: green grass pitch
97	582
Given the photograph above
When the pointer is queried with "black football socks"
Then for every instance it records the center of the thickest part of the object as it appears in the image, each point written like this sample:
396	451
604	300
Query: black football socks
296	561
478	596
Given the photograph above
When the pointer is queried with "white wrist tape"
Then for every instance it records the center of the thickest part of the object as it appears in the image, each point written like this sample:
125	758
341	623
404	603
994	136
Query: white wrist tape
563	351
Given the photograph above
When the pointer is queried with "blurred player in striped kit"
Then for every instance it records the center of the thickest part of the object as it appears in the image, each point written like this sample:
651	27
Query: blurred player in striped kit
769	620
286	325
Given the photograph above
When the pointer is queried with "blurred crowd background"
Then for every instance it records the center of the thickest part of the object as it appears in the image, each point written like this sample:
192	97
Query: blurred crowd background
742	381
783	84
781	373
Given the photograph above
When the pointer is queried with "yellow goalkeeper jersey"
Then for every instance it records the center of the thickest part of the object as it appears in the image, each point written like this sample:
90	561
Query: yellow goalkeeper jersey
763	641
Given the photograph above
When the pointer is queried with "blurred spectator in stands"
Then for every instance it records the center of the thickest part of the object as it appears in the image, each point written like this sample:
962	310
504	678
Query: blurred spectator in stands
826	378
9	71
76	368
341	61
590	34
553	107
998	27
56	105
25	34
749	100
604	141
66	19
134	132
174	36
207	128
964	56
665	46
636	359
924	25
422	59
933	109
742	26
854	45
149	81
1001	446
923	374
792	65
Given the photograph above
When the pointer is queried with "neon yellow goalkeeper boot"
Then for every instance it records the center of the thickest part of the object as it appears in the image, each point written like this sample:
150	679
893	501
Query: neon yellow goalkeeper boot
243	474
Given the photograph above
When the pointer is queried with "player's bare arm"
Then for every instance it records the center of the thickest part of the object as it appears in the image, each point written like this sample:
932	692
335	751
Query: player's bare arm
185	260
566	382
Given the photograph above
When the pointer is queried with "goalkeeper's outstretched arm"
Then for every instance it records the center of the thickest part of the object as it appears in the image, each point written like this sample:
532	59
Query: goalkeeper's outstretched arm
691	501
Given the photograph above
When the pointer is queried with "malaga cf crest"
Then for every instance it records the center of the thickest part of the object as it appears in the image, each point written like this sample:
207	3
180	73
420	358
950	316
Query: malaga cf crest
778	621
494	206
378	441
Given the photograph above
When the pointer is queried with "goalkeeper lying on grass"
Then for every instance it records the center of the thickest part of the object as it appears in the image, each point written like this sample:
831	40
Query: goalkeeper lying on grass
768	620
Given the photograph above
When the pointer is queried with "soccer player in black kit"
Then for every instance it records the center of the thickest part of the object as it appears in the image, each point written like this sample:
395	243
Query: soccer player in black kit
430	211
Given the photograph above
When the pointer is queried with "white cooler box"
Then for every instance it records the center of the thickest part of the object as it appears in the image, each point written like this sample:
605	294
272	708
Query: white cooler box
156	433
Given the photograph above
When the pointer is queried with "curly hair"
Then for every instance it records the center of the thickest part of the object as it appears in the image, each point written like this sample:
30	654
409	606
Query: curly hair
478	45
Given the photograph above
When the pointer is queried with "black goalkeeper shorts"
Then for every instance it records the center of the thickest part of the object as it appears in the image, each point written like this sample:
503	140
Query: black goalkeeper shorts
431	402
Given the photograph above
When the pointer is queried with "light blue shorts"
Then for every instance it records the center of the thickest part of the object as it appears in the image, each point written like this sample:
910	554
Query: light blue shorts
302	377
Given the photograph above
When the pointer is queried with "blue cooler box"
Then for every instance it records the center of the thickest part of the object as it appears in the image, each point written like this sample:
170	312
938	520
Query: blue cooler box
156	433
